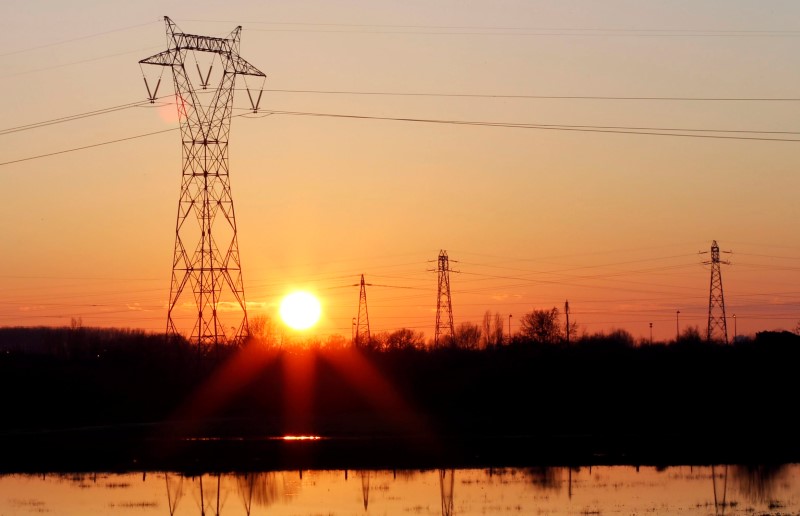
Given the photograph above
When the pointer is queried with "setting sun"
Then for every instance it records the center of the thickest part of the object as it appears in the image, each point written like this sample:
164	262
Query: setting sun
300	310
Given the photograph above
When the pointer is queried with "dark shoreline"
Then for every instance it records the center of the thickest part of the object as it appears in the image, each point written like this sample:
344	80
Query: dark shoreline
91	400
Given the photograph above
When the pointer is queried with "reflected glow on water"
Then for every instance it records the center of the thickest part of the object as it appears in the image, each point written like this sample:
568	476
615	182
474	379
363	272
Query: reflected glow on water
301	438
707	490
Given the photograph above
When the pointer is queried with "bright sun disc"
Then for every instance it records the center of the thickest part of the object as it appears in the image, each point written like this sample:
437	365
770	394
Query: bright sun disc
300	310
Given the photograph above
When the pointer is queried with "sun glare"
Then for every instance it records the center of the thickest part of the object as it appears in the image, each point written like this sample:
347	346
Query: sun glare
300	310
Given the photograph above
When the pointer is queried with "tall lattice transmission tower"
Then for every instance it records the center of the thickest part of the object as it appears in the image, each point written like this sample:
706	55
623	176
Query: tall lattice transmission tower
444	322
717	322
362	327
206	264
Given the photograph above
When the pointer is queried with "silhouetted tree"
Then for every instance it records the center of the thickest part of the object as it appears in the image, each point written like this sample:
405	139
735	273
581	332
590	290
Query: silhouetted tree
377	341
492	329
487	328
445	341
263	330
405	338
622	338
336	341
542	326
497	329
468	335
615	340
691	335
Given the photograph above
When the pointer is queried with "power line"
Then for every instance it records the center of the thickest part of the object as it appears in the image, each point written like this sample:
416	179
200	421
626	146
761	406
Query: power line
78	38
101	111
493	27
590	129
570	128
73	149
544	97
77	116
89	60
544	33
506	30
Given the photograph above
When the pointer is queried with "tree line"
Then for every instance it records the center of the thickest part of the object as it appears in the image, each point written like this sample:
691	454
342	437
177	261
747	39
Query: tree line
539	326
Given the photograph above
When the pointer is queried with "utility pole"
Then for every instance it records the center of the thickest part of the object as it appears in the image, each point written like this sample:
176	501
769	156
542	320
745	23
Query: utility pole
717	322
651	334
206	264
677	326
509	328
444	321
566	311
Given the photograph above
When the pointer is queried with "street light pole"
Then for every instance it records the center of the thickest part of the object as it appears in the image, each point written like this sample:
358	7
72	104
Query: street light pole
677	326
651	334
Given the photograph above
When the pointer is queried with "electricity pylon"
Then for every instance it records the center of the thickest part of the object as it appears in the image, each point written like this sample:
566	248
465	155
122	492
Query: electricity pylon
362	328
206	257
443	302
717	322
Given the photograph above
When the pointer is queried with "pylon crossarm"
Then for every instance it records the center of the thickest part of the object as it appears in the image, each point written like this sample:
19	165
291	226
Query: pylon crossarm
183	42
166	58
242	67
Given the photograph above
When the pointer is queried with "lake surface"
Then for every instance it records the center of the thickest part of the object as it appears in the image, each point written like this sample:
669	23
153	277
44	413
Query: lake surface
585	491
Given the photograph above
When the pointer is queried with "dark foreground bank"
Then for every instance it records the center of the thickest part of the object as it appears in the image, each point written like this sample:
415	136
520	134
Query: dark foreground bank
130	402
126	450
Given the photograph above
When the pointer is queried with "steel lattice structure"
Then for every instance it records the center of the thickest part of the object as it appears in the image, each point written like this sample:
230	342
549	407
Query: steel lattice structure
443	301
362	337
717	322
206	257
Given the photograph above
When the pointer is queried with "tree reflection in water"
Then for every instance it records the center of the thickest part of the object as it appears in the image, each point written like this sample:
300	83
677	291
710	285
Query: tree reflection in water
733	490
263	489
546	479
758	483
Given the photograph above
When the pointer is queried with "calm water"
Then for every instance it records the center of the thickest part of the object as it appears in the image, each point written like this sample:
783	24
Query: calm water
684	490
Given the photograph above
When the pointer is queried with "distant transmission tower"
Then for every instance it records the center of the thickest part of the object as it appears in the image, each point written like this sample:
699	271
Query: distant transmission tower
444	302
717	322
362	327
206	258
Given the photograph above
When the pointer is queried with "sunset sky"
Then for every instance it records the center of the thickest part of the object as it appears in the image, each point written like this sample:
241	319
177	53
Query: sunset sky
533	216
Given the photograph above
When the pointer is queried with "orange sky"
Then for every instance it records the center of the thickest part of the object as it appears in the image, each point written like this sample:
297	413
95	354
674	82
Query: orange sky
612	222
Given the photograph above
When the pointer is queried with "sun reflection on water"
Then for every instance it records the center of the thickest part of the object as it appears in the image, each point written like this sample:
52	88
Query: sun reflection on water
301	437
